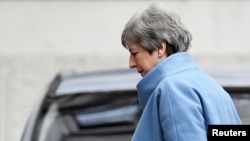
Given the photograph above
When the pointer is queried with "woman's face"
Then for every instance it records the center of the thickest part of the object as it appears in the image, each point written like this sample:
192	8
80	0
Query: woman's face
141	59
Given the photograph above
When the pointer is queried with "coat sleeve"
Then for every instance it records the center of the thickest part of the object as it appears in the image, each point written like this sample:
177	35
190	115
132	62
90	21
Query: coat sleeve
180	112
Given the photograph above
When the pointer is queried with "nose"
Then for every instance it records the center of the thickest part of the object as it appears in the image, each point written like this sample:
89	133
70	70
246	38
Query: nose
132	63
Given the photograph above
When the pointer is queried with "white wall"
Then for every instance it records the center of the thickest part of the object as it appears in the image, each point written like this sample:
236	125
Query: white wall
39	39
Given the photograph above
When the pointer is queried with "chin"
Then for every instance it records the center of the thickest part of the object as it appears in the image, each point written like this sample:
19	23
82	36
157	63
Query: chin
143	74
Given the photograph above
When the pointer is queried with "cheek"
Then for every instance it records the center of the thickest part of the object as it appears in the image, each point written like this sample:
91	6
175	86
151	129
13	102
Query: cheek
145	65
145	61
149	64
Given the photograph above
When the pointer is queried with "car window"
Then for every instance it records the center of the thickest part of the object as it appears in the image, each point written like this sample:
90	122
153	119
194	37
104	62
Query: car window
93	116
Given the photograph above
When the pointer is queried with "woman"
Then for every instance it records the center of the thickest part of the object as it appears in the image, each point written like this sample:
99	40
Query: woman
179	100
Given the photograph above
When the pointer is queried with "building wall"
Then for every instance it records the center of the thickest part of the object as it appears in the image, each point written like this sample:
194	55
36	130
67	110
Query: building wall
41	38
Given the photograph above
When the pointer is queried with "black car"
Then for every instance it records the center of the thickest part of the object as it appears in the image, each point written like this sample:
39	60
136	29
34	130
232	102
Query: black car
103	106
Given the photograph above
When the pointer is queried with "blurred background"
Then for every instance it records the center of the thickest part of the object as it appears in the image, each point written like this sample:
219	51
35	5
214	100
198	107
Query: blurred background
39	38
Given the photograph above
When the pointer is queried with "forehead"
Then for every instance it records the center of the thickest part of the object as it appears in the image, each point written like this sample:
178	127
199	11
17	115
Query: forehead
133	45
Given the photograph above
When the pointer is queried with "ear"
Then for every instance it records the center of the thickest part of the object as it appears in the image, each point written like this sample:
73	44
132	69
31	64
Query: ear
162	49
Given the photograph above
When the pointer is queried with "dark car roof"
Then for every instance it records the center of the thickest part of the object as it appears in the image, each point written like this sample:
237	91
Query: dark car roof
126	79
236	75
107	80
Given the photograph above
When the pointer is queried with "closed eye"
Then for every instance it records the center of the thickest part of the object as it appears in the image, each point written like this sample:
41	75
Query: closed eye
133	53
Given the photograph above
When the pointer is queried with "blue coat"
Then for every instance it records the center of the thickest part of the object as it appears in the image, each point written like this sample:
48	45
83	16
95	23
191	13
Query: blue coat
179	100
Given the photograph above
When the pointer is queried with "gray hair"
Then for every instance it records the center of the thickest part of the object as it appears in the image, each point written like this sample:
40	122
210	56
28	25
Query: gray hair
154	26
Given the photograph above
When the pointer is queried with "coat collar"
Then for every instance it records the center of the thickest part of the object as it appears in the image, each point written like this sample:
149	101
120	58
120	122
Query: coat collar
172	64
